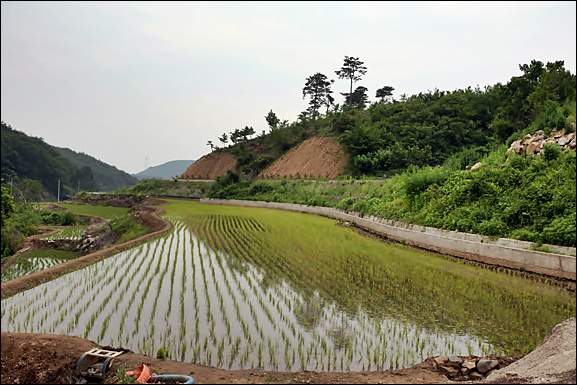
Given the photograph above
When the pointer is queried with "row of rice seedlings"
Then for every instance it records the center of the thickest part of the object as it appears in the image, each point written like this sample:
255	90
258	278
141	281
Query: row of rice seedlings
208	308
123	338
116	295
70	233
182	308
98	311
246	326
25	266
148	333
211	240
283	333
249	252
225	277
50	300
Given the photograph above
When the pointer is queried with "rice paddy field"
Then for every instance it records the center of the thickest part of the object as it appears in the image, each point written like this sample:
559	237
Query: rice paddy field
237	287
36	260
69	232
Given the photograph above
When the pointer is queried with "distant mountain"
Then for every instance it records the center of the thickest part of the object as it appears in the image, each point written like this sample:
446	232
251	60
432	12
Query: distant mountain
167	170
106	177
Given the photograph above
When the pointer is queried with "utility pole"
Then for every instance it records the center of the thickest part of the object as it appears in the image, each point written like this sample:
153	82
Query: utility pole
58	191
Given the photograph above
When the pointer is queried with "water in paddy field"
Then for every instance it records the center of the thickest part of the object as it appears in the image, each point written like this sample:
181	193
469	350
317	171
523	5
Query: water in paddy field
218	290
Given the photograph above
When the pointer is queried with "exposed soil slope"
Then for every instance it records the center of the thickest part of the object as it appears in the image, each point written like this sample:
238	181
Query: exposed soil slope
315	158
210	166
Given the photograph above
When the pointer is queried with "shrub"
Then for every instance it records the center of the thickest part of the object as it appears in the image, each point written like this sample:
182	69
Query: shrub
551	151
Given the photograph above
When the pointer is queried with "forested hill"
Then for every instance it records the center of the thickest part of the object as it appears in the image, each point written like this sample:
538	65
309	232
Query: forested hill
106	177
36	168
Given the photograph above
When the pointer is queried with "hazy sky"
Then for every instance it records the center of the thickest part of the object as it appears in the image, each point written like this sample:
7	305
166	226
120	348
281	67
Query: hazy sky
138	84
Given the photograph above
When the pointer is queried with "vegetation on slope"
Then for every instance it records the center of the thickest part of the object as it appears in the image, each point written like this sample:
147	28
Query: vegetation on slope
429	141
106	177
38	171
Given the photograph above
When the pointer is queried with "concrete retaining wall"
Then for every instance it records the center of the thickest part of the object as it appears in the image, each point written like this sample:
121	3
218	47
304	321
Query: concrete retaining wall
501	252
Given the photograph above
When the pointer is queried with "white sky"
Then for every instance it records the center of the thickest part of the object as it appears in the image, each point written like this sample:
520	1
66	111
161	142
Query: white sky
138	84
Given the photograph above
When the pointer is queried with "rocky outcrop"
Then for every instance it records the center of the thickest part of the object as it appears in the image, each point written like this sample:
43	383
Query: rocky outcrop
535	144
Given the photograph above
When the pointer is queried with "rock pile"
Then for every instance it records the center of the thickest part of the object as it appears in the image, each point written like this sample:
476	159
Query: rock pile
468	368
534	144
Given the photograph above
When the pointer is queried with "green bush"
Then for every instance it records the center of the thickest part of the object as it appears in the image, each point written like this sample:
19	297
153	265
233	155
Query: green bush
561	231
551	151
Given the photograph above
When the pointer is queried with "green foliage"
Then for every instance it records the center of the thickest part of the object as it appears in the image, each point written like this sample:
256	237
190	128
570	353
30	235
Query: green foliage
121	224
540	89
318	89
168	187
420	181
162	353
561	231
58	218
7	205
124	378
353	70
551	151
21	224
126	227
426	129
227	185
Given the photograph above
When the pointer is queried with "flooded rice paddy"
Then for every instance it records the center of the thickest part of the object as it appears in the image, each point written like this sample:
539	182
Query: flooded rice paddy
236	287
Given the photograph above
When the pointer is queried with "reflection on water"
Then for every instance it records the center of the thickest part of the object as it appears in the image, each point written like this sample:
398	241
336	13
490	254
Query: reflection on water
219	290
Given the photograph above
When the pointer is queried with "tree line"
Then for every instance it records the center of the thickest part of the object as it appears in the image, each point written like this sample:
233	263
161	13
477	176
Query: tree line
389	135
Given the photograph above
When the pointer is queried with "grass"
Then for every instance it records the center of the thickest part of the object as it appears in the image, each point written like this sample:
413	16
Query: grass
106	212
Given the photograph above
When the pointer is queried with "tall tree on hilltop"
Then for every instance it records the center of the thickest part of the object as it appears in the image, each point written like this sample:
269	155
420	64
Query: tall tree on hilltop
272	120
223	138
384	92
358	98
353	70
318	88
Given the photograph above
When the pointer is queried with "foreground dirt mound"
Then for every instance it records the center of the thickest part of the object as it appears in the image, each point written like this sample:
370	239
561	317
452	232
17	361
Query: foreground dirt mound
210	166
315	158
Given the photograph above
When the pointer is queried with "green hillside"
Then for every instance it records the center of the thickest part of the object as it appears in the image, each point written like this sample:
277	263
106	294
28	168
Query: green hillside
106	177
39	171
